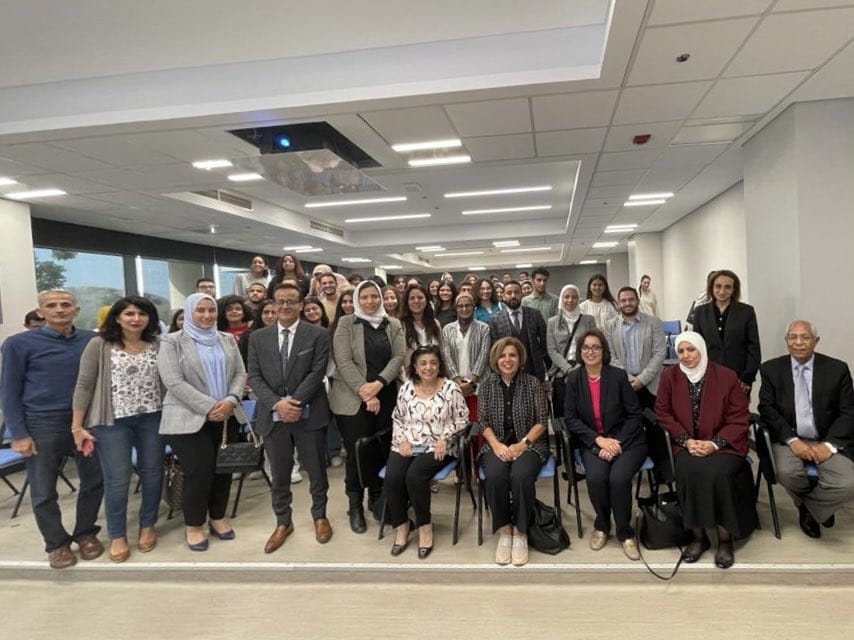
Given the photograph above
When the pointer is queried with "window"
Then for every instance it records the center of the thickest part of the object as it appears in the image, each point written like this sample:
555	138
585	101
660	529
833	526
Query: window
225	278
167	283
95	279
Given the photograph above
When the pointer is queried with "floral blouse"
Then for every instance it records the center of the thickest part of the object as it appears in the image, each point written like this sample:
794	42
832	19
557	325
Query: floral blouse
135	383
423	421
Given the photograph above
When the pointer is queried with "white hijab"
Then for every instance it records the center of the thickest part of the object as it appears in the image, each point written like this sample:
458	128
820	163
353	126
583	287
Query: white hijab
570	317
380	315
696	374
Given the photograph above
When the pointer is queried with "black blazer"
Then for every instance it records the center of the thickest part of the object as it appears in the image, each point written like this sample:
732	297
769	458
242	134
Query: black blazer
535	328
832	401
740	348
618	406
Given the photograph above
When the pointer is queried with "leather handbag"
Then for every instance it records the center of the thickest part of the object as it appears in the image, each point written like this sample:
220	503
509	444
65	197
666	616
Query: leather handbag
239	457
661	525
545	533
173	487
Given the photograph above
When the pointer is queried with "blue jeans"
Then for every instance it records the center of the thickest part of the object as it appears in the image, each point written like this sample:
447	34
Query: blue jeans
333	440
51	434
114	446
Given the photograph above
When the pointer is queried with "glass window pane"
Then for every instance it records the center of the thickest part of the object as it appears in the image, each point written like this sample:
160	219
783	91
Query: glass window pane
168	282
96	279
226	278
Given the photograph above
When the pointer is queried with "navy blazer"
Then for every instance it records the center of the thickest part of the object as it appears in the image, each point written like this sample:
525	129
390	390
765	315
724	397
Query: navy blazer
535	328
739	350
618	406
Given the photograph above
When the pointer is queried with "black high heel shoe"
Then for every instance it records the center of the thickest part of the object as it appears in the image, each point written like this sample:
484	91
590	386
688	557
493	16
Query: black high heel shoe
423	552
397	549
696	549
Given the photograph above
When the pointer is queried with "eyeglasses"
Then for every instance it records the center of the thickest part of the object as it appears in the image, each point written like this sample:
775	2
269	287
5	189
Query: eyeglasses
803	337
287	303
591	348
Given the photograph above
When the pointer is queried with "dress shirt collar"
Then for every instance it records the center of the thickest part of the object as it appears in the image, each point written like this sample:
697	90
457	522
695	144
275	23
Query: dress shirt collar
809	364
292	328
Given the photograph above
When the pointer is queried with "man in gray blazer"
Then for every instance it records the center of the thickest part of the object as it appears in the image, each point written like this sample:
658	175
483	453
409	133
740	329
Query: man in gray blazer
287	363
638	345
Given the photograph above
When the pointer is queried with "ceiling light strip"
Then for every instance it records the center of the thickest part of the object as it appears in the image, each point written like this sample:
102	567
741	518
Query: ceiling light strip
497	192
477	212
409	216
406	147
434	162
526	249
348	203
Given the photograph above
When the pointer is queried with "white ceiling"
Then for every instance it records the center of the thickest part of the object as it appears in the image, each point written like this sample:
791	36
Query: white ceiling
529	126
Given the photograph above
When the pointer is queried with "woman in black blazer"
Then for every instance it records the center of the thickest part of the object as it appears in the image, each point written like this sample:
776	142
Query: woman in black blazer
603	414
729	328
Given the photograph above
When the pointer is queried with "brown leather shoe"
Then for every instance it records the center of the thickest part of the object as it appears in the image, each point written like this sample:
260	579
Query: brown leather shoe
90	547
322	530
122	554
147	539
62	558
278	537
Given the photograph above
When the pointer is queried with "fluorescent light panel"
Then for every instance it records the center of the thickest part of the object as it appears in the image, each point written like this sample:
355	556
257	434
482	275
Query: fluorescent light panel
433	162
35	193
526	249
620	228
355	259
431	248
207	165
390	266
309	250
605	245
5	182
347	203
408	216
477	212
477	269
245	177
497	192
459	253
505	243
525	265
451	143
650	196
587	261
643	203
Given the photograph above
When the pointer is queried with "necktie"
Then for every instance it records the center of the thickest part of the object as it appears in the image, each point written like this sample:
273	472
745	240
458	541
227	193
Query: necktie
803	407
517	321
283	351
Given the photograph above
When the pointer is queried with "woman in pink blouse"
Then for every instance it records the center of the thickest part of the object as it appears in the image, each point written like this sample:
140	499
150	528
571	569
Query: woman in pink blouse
430	409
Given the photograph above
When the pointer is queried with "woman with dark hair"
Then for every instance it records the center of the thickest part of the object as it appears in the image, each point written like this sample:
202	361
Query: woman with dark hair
603	415
420	327
648	302
499	291
344	307
487	300
117	404
314	312
433	289
430	409
288	266
177	322
391	301
234	316
445	312
258	272
600	302
729	328
265	316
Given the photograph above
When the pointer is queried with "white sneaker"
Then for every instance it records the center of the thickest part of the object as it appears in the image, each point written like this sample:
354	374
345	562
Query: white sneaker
520	550
336	461
503	552
296	476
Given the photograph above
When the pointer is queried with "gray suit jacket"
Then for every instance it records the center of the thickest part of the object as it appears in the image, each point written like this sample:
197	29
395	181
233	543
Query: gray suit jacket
557	341
348	346
306	369
187	401
653	348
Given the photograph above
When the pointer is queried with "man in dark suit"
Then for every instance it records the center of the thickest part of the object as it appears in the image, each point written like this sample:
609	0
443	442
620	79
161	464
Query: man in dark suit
807	403
287	363
524	323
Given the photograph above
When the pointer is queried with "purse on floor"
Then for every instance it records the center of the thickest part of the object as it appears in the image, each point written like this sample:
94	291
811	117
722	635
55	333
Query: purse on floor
173	487
545	533
239	457
659	526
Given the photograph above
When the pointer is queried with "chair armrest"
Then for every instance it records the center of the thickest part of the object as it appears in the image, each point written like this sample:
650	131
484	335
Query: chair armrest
762	440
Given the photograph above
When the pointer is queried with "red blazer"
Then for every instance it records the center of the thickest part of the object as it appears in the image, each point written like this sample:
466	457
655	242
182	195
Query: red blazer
723	407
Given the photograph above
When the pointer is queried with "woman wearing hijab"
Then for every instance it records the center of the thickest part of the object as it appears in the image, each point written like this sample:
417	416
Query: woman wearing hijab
702	406
204	377
368	351
561	333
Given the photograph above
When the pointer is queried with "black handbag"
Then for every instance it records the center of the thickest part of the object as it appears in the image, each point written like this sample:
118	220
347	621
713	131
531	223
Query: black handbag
659	526
239	457
545	533
173	488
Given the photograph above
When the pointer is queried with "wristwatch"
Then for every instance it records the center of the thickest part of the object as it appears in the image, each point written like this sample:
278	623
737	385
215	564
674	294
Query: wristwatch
527	441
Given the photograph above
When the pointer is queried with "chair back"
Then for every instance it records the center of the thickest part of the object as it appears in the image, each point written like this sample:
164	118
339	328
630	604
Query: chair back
762	441
672	328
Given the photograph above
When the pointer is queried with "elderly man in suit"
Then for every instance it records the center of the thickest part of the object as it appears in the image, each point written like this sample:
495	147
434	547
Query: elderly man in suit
807	403
638	345
524	323
287	363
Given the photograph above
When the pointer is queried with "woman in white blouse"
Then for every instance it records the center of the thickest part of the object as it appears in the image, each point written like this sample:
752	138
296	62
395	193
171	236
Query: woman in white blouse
430	410
600	302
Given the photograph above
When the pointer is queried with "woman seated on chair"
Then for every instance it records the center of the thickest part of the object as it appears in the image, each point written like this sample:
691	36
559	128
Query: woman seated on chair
513	411
430	409
703	407
603	414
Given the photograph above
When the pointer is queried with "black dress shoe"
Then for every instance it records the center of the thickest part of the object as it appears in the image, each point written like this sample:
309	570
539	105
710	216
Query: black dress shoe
809	525
357	520
423	552
829	522
725	557
696	549
397	549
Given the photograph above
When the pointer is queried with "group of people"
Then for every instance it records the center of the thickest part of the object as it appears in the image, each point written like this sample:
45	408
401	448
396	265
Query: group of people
327	358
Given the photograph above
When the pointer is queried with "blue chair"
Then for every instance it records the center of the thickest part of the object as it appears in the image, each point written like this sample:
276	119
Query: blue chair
672	328
249	407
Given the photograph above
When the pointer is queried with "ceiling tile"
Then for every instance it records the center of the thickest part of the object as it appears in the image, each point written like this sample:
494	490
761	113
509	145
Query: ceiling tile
794	5
620	160
750	95
710	44
606	178
411	125
810	38
493	117
572	142
688	155
598	194
500	147
72	184
659	103
188	146
620	138
711	133
12	169
669	11
51	158
833	80
115	150
667	178
573	110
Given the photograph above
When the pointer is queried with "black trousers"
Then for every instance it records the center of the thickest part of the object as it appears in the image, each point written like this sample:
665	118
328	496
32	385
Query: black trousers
610	487
364	424
205	491
407	480
510	489
280	445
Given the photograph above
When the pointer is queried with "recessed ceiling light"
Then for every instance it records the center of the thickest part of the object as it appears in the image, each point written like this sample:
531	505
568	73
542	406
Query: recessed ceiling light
309	250
433	162
650	196
477	212
301	247
526	249
451	143
408	216
346	203
355	259
35	193
390	266
431	248
213	228
477	269
605	245
497	192
620	228
245	177
5	182
459	253
587	261
505	243
207	165
643	203
525	265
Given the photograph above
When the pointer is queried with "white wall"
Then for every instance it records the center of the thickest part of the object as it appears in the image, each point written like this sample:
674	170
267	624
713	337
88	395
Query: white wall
618	272
645	258
17	269
711	237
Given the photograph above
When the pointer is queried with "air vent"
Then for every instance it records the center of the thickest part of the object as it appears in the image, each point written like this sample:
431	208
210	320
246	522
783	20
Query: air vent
317	225
228	197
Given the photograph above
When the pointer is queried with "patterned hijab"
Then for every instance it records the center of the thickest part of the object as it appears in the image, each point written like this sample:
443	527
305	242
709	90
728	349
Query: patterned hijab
696	374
